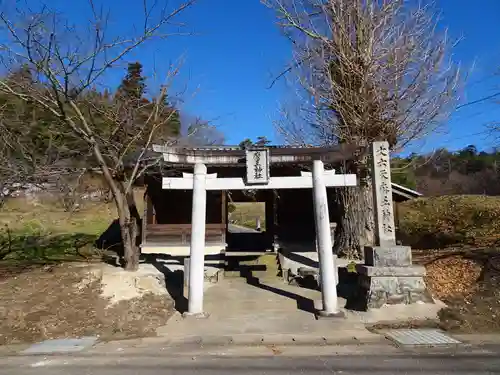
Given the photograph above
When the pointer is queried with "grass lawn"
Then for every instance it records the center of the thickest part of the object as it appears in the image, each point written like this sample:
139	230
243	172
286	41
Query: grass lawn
246	213
44	232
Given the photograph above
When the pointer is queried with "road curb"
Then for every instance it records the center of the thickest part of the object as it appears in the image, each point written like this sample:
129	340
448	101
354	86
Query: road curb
207	342
277	339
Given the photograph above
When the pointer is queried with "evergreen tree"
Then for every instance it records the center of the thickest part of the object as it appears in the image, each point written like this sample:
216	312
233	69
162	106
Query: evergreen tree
133	86
261	141
246	143
173	127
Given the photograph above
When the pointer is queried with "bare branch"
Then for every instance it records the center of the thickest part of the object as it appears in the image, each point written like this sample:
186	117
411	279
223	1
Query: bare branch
373	70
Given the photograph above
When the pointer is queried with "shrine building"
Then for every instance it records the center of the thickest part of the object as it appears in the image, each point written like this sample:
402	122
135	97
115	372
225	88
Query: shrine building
280	177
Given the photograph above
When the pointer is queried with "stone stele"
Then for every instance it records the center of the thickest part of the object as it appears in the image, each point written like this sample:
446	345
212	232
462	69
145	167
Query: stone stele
388	275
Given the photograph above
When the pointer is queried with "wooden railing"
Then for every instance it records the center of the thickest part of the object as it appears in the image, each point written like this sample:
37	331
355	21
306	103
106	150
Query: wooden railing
180	234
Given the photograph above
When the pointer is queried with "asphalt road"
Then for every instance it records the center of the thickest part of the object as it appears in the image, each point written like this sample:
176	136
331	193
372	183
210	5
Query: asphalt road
474	363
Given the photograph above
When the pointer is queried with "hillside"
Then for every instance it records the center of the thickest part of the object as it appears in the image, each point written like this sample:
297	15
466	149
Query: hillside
457	239
443	172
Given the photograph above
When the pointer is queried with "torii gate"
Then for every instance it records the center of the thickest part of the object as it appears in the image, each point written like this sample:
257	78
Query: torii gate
257	162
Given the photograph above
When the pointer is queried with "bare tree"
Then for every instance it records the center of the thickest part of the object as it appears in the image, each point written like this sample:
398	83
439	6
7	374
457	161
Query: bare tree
68	62
367	70
25	161
16	165
202	133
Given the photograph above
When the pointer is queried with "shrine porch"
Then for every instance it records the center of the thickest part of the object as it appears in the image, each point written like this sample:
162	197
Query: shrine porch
174	239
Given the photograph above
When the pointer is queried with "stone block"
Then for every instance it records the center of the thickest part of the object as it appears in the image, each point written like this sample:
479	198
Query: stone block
388	256
396	299
211	274
391	285
373	271
420	296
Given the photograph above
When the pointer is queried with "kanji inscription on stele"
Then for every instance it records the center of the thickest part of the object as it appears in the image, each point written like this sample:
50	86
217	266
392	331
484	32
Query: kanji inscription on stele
382	194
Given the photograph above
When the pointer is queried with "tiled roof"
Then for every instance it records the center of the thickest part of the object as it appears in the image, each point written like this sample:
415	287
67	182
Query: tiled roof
230	155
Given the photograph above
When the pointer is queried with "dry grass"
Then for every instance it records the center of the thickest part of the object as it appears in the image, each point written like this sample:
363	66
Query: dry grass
46	232
477	309
48	216
51	302
39	302
459	242
437	222
467	280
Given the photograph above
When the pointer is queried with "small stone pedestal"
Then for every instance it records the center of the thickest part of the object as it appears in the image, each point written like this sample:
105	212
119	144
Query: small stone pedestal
202	315
320	315
388	277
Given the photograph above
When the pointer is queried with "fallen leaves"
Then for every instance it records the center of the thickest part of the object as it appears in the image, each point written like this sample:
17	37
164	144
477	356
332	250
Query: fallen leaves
452	276
467	280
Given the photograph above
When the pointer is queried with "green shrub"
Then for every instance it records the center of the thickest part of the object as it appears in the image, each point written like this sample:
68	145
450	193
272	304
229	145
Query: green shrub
231	207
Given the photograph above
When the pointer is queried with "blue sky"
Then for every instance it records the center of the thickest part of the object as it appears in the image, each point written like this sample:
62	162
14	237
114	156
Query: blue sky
479	51
237	50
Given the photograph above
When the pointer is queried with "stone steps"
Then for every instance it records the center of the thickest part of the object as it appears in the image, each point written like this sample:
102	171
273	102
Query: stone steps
260	266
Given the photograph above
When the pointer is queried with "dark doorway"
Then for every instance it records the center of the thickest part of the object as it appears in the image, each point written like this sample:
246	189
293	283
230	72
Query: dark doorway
246	229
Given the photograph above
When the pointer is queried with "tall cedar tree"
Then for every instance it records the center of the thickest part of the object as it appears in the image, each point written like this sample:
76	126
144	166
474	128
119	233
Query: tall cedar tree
174	125
133	86
131	94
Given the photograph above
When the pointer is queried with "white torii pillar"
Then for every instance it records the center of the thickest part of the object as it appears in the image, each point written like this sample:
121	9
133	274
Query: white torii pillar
326	259
197	251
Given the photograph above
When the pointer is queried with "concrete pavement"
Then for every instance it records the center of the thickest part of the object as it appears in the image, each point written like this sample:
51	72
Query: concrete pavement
272	312
158	355
265	311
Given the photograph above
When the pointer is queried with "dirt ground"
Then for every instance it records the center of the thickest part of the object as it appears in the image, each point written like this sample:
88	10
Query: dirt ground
468	281
45	302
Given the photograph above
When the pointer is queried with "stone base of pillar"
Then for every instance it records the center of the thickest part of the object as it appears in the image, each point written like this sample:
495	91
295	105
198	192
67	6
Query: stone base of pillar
388	277
188	315
392	285
326	315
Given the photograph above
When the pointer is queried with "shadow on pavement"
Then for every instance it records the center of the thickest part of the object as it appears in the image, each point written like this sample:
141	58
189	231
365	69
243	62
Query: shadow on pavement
174	280
303	303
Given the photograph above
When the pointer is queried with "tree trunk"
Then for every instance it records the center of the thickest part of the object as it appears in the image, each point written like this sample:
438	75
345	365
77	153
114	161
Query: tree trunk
129	220
355	221
130	233
132	206
128	215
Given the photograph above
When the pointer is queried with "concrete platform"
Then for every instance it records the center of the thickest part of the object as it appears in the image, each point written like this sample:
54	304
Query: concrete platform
256	313
273	312
158	264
